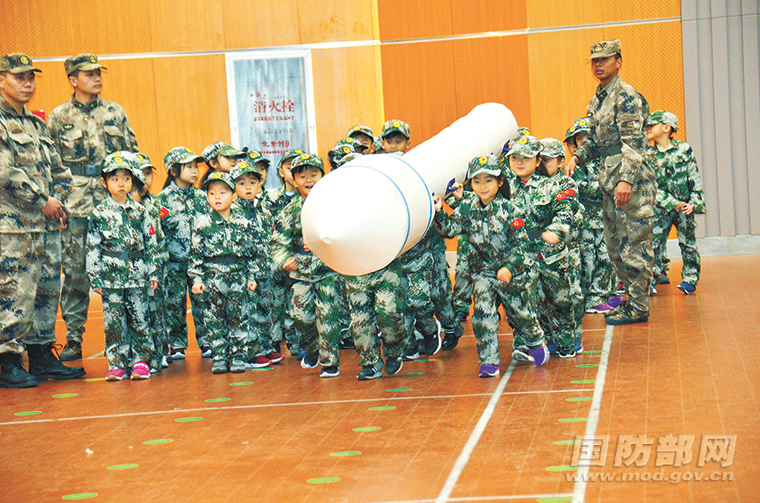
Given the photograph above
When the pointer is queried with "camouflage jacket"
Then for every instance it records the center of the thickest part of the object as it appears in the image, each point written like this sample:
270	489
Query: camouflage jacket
222	246
178	210
495	233
677	176
287	242
30	172
261	225
544	206
154	210
419	256
617	116
121	246
276	200
85	135
586	178
569	187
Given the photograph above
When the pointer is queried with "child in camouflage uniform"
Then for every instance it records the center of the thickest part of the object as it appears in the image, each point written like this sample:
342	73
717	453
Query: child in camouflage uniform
223	262
546	209
319	308
121	249
180	204
495	231
679	195
220	156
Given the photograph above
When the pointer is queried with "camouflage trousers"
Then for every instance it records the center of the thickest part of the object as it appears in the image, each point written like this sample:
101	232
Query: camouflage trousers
125	324
442	292
157	322
419	313
376	303
75	294
227	314
598	281
30	283
576	293
462	278
519	306
685	226
629	244
554	301
283	328
261	320
176	287
320	315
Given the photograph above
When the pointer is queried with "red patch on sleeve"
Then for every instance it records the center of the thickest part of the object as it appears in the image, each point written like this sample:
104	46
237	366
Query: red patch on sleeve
570	192
163	212
561	196
152	231
517	222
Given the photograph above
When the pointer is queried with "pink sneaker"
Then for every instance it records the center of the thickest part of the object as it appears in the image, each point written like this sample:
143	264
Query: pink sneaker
601	308
115	375
140	371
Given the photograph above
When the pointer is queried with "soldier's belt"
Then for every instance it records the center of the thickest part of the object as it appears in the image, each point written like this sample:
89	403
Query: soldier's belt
85	169
224	259
610	150
123	255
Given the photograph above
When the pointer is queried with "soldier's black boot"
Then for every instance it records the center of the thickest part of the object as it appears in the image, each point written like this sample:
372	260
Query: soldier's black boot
13	374
44	364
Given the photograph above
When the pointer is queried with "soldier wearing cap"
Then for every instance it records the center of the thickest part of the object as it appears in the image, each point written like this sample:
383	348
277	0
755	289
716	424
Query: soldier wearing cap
86	129
617	116
35	185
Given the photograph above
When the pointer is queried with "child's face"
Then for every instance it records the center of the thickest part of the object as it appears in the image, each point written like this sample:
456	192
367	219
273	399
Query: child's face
570	146
553	164
579	137
523	167
263	170
486	187
220	196
148	173
395	143
188	174
226	163
285	173
247	186
119	184
305	180
366	141
657	131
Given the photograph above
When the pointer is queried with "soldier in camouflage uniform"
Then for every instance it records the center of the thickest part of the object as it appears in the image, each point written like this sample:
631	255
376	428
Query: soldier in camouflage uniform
679	195
617	115
121	253
224	264
547	212
35	185
496	233
86	129
319	309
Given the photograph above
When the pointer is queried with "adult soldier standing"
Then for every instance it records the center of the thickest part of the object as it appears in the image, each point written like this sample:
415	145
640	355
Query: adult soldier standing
33	184
86	129
617	116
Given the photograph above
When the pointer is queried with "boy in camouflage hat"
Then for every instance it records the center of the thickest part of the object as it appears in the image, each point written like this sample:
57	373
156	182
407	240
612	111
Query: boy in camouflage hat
86	129
121	264
679	195
365	137
220	156
396	137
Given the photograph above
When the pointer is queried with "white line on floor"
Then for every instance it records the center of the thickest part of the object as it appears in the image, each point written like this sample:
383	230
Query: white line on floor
491	498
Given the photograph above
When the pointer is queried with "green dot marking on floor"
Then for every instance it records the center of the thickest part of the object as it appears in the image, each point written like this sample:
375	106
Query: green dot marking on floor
122	467
568	442
579	399
345	453
413	374
28	413
573	420
95	379
587	381
262	369
188	419
213	400
422	360
555	499
393	390
244	383
383	407
561	468
65	395
587	365
158	442
592	351
80	496
323	480
367	428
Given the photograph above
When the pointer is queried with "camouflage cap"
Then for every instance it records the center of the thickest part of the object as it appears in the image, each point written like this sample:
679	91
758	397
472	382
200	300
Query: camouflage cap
16	63
394	126
144	161
360	129
526	146
123	160
223	148
552	148
347	158
302	161
82	63
582	125
488	164
244	167
569	133
605	48
289	155
219	176
254	157
521	131
663	117
341	149
180	155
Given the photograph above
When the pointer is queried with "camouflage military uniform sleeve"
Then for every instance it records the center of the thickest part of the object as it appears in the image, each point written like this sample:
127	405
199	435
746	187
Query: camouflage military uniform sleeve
514	258
449	225
195	268
632	113
696	193
587	181
562	211
150	244
14	180
284	233
94	257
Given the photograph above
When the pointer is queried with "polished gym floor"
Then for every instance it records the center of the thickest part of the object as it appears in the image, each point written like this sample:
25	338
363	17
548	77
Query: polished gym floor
664	411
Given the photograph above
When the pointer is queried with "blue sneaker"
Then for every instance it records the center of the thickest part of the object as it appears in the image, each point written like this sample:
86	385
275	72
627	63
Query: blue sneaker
553	348
539	355
578	343
488	370
687	288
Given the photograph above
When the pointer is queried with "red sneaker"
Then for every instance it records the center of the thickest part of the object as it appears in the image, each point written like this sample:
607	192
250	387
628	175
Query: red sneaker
275	357
260	362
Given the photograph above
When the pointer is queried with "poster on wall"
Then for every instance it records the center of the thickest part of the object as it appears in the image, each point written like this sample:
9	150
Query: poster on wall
271	99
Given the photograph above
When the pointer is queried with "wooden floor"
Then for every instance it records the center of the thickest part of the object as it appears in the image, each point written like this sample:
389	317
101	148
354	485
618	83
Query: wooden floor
668	410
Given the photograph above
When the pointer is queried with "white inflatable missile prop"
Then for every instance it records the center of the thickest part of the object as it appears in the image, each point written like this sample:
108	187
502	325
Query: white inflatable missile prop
365	214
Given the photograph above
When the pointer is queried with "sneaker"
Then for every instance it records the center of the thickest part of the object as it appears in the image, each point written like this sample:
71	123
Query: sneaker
553	348
140	371
260	362
237	366
521	354
627	316
300	354
346	344
310	360
615	301
653	289
488	370
410	354
433	343
154	370
220	367
539	355
116	375
164	362
205	351
601	308
616	310
393	365
687	288
72	351
369	372
620	288
330	371
663	279
275	357
578	343
452	338
566	352
178	354
276	348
